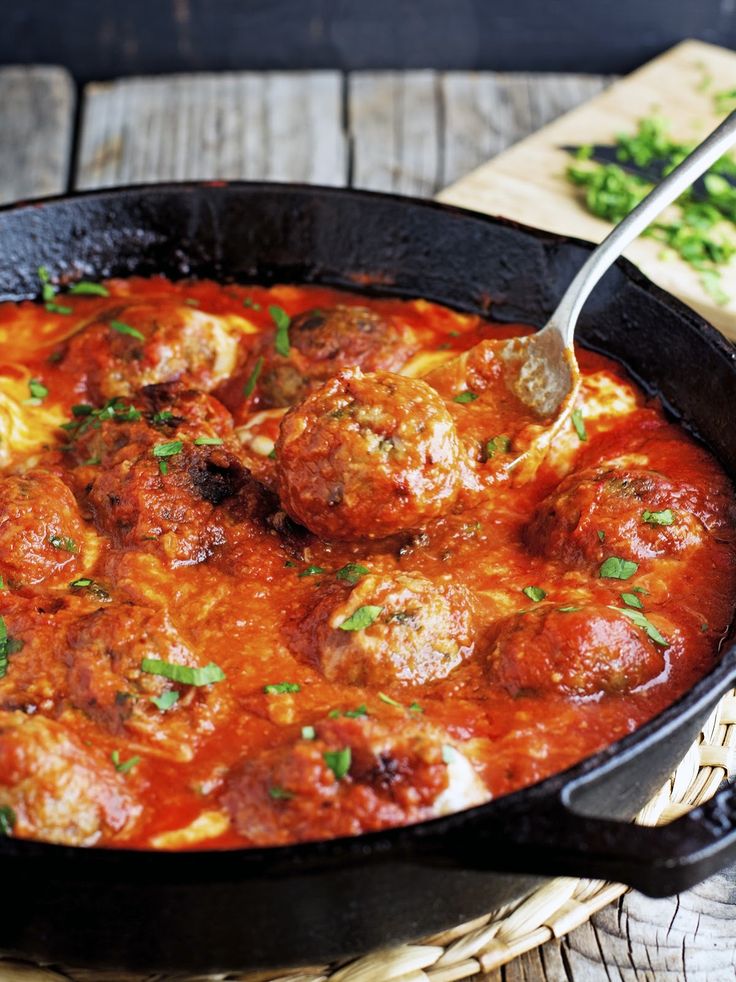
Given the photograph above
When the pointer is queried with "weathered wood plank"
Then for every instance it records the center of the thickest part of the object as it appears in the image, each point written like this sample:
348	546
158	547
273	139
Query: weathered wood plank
36	118
271	126
486	112
395	131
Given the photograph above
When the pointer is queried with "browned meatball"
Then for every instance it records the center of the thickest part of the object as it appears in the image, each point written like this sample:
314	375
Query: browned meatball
59	789
322	342
41	531
138	343
357	775
367	456
583	651
103	656
598	513
417	632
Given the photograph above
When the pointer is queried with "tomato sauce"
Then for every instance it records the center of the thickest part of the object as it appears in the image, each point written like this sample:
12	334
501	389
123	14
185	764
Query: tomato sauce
184	665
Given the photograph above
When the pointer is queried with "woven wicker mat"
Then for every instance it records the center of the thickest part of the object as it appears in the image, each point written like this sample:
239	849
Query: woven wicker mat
490	941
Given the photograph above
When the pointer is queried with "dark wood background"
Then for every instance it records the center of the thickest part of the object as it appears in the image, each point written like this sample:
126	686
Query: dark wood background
100	39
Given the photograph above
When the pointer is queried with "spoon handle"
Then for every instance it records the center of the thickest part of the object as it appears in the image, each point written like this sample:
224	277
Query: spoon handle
703	156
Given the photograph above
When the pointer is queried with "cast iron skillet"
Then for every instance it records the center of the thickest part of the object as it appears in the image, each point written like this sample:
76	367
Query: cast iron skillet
263	908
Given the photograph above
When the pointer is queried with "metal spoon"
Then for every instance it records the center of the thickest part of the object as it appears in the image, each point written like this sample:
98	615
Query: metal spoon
545	374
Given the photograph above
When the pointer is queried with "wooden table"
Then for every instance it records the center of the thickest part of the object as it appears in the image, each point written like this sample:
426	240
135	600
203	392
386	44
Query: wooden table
409	132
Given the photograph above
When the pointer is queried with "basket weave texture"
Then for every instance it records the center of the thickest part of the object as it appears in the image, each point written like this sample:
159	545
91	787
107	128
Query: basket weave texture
472	949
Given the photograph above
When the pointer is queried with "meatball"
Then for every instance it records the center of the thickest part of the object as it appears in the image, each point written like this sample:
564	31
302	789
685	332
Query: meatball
585	651
322	343
58	789
598	513
421	632
357	775
103	656
367	456
139	343
41	530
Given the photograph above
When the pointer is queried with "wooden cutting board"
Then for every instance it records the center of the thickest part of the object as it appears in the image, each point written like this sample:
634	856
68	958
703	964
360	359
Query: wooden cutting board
527	182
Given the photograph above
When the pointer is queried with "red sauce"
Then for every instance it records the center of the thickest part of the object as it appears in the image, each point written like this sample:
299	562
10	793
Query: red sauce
150	531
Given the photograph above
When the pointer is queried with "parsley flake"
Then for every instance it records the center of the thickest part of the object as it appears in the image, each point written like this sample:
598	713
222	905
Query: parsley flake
601	535
279	688
389	701
59	308
466	396
7	820
8	646
282	321
664	517
415	708
165	450
361	618
579	424
338	761
37	389
615	568
166	700
251	304
497	444
356	713
352	573
184	674
280	794
123	328
534	593
63	542
571	609
48	290
312	571
208	441
643	622
631	600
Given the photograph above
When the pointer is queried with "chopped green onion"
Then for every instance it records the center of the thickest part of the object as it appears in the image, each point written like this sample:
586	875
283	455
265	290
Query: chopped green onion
579	424
361	618
166	700
123	328
351	573
279	688
184	674
338	761
534	593
85	288
466	396
124	766
282	321
312	571
253	378
208	441
664	517
615	568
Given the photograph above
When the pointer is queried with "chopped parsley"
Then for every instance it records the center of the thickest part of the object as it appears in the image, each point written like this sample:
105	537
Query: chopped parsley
579	423
87	417
3	584
63	542
631	600
59	308
85	288
162	451
282	321
535	593
308	733
312	571
569	609
415	708
124	766
123	328
356	713
601	535
466	396
251	304
664	517
498	444
615	568
352	573
8	646
7	820
250	385
279	688
37	389
85	583
338	761
162	417
48	290
361	618
166	700
280	794
389	701
643	622
184	674
208	441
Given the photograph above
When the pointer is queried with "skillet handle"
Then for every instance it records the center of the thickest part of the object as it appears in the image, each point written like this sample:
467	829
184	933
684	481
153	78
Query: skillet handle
658	861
